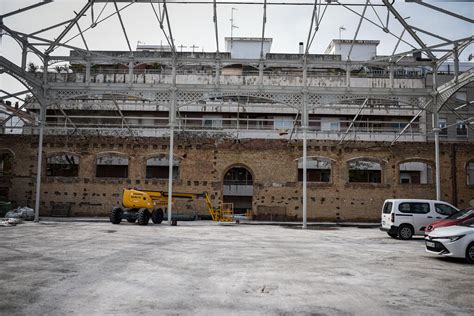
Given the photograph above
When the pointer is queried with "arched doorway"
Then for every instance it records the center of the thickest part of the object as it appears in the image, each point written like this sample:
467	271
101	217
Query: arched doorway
238	189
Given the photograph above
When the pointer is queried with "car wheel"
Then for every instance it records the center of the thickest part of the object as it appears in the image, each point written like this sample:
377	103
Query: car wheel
394	236
470	253
405	232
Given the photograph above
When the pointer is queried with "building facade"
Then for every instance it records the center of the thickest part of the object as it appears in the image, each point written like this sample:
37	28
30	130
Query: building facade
238	130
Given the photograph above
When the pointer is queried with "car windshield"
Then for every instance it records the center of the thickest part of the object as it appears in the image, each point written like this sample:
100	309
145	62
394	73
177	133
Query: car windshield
468	223
462	214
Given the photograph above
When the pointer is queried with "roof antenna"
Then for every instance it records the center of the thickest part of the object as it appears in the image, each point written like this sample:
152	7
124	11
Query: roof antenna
232	26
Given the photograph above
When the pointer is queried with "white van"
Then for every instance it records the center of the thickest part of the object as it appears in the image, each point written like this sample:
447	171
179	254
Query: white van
404	218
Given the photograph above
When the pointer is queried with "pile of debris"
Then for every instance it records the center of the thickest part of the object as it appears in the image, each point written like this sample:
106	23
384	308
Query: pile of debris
17	216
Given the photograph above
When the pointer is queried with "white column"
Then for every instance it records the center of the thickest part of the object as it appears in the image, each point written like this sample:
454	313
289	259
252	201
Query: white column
348	75
172	124
170	175
88	72
304	122
305	194
40	160
436	134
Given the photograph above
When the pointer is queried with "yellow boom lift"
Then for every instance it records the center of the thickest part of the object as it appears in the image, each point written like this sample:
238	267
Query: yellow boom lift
142	205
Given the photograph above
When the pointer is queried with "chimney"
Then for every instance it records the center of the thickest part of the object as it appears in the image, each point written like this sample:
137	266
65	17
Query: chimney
301	47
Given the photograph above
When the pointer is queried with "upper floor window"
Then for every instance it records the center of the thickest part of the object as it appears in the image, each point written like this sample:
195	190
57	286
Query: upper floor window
415	172
62	165
365	171
461	130
238	176
330	124
212	121
158	167
112	166
6	162
283	122
317	170
442	123
470	172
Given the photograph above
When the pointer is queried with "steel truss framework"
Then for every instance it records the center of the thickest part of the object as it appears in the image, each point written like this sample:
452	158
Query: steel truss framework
173	96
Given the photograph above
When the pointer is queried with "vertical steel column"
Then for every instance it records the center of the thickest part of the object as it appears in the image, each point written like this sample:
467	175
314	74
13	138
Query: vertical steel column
88	71
218	72
436	134
305	154
392	74
130	71
172	123
348	75
24	52
40	159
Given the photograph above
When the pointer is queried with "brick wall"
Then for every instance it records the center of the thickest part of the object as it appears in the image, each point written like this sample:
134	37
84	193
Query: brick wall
203	163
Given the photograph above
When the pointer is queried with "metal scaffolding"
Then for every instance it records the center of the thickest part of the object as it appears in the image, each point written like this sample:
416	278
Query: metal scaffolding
302	98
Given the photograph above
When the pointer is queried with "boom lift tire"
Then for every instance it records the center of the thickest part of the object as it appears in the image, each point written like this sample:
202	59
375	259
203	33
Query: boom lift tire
143	216
157	216
116	215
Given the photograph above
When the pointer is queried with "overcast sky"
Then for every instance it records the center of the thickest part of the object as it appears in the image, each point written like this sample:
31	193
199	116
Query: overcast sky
193	25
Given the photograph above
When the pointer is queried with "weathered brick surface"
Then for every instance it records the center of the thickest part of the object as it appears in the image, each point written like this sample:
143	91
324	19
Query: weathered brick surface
277	192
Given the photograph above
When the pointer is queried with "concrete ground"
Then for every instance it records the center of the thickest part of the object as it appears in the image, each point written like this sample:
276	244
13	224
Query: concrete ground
57	268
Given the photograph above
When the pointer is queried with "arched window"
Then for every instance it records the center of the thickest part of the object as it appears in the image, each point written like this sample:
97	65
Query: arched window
112	166
238	176
158	167
6	162
415	172
365	171
470	172
62	165
317	170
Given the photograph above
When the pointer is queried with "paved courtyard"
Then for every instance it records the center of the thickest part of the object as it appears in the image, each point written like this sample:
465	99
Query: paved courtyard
57	268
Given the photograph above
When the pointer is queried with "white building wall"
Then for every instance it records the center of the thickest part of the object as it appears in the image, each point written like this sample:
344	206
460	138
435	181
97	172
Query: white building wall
362	50
247	47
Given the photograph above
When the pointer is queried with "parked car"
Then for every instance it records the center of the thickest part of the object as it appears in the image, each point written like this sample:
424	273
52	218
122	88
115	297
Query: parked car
455	219
404	218
453	241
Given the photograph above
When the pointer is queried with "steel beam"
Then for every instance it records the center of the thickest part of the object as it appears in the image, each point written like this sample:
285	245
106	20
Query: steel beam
25	9
22	39
68	27
375	24
124	120
429	33
357	30
50	27
353	120
408	28
460	41
123	26
281	3
264	22
458	16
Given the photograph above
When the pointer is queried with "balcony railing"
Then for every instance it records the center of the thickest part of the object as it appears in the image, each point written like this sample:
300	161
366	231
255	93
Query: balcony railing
372	79
236	124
